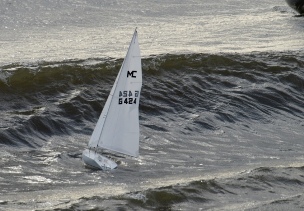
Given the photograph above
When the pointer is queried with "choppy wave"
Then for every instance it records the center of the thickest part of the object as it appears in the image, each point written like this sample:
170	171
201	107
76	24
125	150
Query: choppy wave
43	99
264	188
197	111
261	189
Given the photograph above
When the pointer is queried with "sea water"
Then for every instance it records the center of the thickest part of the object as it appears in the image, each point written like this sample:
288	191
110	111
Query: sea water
221	109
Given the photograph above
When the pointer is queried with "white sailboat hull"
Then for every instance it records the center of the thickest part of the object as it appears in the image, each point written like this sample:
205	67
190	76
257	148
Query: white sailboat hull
95	160
117	128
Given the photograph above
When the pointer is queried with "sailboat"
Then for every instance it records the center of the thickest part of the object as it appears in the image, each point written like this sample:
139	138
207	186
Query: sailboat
117	129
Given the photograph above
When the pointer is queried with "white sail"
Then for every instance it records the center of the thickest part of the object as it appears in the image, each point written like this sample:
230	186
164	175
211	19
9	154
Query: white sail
118	126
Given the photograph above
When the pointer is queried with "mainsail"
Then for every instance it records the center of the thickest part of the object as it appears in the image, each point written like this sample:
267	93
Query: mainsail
118	126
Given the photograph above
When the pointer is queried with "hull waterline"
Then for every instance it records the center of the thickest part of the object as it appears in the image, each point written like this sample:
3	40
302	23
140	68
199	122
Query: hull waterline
94	160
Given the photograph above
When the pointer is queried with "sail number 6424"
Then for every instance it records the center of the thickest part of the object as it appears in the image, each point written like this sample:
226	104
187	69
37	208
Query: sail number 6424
128	97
